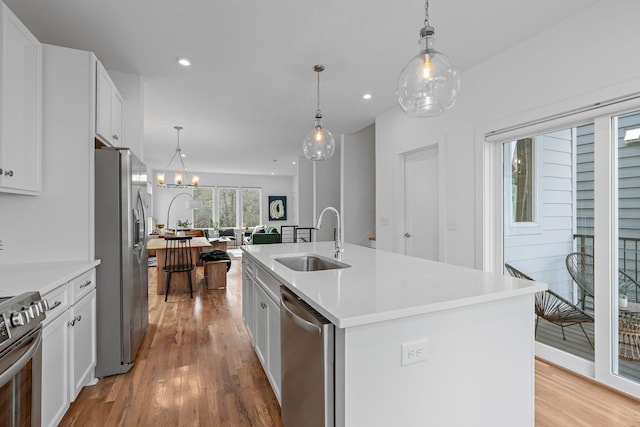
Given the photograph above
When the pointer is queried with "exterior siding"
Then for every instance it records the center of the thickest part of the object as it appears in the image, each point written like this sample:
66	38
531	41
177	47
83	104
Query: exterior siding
541	252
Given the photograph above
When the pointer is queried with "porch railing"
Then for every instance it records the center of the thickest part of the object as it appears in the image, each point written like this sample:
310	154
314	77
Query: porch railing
628	252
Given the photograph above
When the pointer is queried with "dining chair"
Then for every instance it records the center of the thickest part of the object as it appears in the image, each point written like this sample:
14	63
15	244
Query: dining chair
178	259
555	309
580	267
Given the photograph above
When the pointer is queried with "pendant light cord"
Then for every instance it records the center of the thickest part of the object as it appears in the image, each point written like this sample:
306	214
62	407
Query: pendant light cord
426	13
318	74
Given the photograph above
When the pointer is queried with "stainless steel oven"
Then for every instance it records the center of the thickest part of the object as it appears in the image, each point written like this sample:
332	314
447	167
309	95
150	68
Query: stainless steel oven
21	359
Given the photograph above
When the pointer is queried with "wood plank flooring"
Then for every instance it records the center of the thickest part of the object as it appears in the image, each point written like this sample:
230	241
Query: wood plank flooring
196	367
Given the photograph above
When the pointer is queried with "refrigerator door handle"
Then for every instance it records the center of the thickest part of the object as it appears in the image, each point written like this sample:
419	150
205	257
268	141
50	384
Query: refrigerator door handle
138	235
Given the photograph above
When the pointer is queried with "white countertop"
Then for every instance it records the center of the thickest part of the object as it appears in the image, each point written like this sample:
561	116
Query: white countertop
382	286
39	276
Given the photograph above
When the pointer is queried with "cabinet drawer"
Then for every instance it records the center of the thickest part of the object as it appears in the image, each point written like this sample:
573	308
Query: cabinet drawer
82	285
267	281
59	300
247	266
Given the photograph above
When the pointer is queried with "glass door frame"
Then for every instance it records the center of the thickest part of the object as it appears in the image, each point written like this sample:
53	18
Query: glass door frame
489	251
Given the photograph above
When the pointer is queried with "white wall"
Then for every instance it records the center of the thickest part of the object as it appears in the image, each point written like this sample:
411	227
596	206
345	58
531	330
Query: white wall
540	249
566	61
358	186
305	192
270	185
327	193
58	224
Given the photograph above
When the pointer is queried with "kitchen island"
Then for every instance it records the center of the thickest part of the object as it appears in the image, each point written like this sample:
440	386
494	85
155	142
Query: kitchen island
475	331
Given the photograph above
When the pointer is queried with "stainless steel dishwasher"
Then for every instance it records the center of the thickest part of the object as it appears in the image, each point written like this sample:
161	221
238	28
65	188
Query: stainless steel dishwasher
307	345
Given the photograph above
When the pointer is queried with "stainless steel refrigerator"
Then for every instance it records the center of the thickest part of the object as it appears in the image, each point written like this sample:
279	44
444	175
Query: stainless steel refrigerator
122	303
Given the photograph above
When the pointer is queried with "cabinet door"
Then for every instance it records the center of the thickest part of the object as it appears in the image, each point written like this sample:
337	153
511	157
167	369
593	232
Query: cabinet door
117	109
261	319
248	306
103	102
55	370
21	112
83	343
273	338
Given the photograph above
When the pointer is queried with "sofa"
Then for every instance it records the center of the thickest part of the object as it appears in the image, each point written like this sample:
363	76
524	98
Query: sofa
261	235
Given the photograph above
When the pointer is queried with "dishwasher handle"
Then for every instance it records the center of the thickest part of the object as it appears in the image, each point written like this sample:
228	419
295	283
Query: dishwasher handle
299	321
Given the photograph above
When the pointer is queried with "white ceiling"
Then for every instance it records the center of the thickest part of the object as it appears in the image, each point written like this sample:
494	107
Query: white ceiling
249	97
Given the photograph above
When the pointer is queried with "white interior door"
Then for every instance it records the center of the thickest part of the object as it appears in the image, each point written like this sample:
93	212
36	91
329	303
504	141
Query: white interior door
421	203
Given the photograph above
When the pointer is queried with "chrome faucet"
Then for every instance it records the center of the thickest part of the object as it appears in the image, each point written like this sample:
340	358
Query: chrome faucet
338	241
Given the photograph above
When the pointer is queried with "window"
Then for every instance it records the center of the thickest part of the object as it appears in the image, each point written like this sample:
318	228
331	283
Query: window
203	217
233	207
251	207
522	178
227	207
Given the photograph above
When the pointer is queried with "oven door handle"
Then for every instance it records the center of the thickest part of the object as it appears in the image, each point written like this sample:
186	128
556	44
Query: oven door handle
6	376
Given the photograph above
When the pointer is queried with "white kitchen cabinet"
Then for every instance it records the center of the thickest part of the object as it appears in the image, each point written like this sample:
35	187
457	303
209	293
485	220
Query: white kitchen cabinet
55	363
248	309
109	109
273	346
68	345
261	314
82	343
261	328
21	112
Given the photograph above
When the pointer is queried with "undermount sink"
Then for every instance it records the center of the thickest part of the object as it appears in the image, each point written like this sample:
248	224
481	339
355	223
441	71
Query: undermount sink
311	263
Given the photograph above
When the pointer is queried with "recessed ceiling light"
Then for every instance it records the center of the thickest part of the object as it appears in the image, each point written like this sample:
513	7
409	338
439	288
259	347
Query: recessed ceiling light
272	173
293	163
185	62
366	96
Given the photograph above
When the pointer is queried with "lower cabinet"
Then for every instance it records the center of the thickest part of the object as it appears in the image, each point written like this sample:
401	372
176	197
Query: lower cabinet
261	332
261	314
248	311
68	346
55	370
82	343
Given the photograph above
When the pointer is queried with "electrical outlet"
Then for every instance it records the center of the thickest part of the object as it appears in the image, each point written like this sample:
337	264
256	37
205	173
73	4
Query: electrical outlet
414	352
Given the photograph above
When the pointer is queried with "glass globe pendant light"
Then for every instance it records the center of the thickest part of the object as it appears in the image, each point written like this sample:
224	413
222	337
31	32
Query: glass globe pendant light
428	85
319	143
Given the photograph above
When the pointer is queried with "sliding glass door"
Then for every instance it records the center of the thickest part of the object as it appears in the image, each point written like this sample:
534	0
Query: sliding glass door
547	212
566	205
626	262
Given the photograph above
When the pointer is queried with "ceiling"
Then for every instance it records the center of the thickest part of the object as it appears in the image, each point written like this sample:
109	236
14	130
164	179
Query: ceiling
249	98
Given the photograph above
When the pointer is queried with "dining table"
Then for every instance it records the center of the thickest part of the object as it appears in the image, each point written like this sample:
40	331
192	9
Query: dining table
179	282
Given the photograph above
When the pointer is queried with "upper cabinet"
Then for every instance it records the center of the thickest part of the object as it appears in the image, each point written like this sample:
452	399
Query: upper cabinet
109	109
21	107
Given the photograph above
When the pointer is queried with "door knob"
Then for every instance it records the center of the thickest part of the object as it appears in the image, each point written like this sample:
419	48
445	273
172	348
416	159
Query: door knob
407	234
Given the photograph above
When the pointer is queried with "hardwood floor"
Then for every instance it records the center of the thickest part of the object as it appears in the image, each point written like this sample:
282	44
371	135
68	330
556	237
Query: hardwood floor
565	399
196	367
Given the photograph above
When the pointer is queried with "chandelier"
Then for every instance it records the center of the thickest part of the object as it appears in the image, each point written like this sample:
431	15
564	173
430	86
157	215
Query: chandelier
428	85
179	178
318	144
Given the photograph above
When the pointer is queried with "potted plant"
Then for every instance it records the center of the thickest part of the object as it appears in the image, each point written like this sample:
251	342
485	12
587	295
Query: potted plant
216	229
182	225
623	301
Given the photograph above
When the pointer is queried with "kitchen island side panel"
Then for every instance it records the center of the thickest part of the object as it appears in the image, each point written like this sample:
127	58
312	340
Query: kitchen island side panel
479	369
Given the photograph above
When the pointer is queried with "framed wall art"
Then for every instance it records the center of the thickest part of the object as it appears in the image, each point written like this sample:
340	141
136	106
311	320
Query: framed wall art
277	208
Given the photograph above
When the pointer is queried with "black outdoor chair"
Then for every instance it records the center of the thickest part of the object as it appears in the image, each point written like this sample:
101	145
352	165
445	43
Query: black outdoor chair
555	309
580	267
